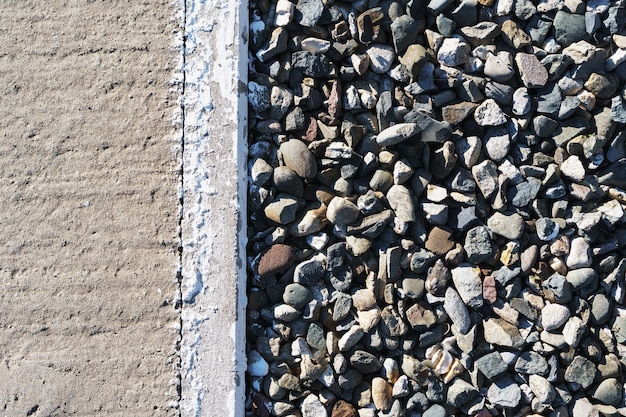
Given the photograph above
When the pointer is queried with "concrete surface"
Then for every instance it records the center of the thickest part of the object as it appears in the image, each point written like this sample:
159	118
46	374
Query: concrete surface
214	205
89	195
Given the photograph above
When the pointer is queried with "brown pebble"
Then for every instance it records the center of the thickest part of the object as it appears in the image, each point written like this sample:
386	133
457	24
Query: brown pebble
439	241
276	259
343	409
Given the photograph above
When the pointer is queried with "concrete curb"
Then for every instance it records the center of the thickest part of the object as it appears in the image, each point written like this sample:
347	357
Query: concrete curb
213	223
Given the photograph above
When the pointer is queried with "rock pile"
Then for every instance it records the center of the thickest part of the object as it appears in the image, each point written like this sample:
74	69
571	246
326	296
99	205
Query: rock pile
436	208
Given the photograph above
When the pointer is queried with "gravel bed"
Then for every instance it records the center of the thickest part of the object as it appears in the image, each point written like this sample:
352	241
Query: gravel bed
436	208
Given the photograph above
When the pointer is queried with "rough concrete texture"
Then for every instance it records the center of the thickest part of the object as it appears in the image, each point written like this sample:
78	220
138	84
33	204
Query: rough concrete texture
89	224
213	221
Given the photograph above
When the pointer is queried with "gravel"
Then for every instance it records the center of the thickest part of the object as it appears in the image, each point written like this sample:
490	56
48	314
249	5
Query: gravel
436	198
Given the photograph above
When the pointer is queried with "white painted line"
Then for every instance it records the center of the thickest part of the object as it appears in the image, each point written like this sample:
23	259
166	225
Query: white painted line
213	225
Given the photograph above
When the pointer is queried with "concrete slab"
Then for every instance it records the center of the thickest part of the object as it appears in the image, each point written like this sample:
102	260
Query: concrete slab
214	207
89	225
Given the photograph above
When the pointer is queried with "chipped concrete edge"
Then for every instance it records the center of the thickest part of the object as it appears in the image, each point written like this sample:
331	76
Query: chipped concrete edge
213	199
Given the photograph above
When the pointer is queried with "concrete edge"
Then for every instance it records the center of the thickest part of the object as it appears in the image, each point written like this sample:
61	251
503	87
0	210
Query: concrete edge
213	220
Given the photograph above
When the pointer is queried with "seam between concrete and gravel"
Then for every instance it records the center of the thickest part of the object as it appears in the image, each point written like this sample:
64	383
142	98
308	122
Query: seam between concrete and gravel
213	201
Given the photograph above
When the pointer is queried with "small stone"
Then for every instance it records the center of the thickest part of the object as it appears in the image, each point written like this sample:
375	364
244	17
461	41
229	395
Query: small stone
257	366
313	407
278	258
299	158
313	64
381	394
573	168
497	143
532	72
342	211
365	362
296	295
501	333
460	392
404	31
600	310
343	409
468	150
580	371
541	387
504	393
557	289
284	12
481	33
531	363
544	127
602	85
581	278
498	68
547	229
439	241
435	410
397	133
510	226
610	391
457	113
491	365
554	316
514	35
453	51
573	331
478	246
521	102
453	304
420	318
468	283
489	114
486	176
579	254
282	210
381	58
569	28
618	110
583	408
402	203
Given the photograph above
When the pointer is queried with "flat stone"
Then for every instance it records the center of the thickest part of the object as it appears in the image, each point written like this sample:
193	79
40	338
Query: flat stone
501	333
478	245
580	371
504	393
491	365
365	362
278	258
498	68
514	35
486	176
579	254
531	363
600	310
581	278
532	72
457	311
468	283
460	392
510	226
342	211
439	241
397	133
457	113
420	318
569	28
313	407
432	131
402	203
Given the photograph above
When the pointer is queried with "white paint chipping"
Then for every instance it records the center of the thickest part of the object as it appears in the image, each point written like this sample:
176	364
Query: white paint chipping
213	213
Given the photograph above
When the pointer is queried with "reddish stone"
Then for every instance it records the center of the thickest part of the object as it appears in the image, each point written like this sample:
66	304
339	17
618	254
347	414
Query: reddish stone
343	409
334	100
278	258
311	131
489	289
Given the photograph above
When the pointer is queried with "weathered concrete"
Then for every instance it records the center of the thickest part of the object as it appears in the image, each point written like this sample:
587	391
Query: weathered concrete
89	224
213	222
